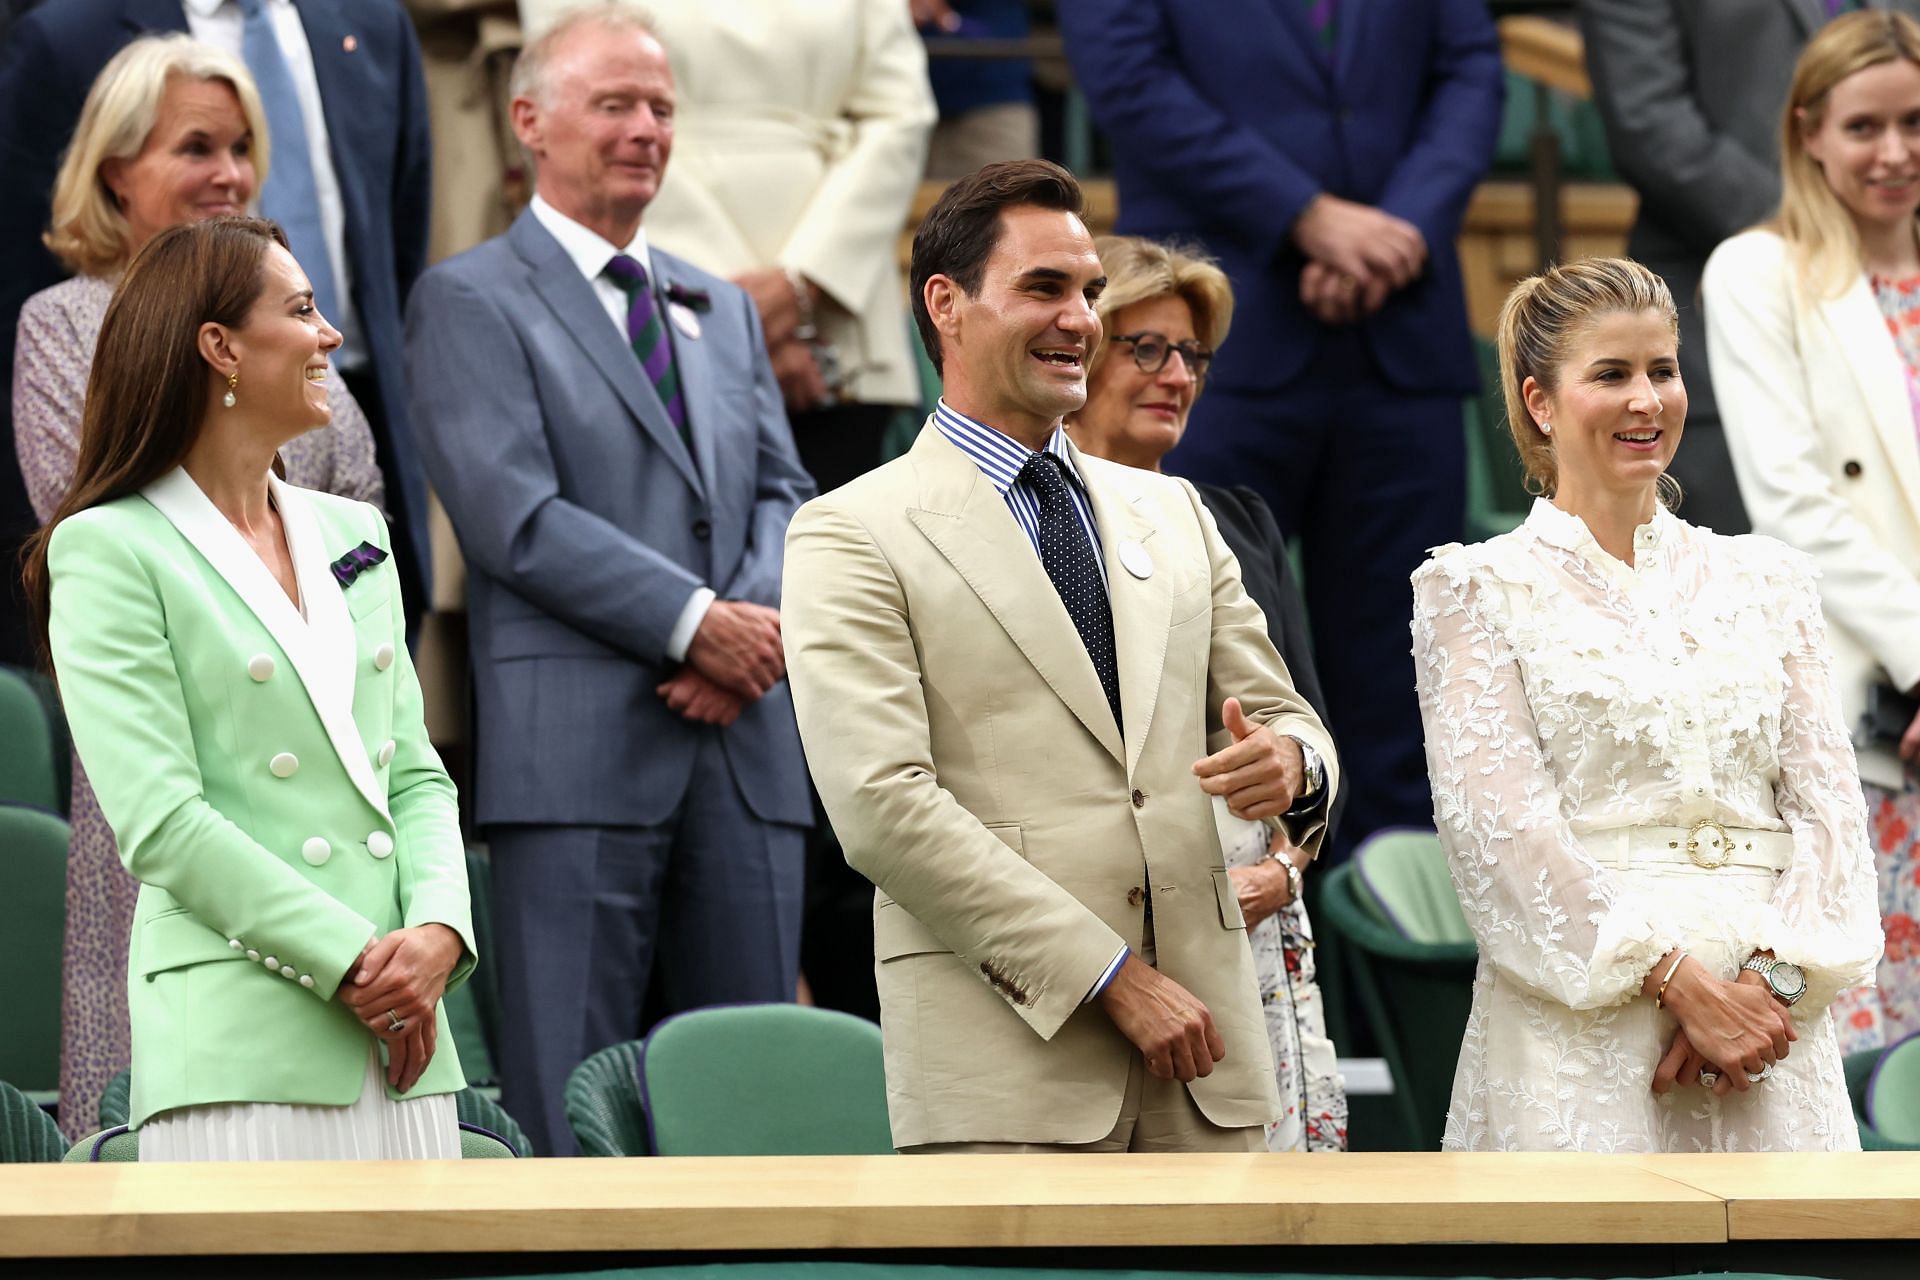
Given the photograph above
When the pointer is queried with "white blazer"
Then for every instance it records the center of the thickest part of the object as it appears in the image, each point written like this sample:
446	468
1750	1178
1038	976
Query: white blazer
1821	426
799	139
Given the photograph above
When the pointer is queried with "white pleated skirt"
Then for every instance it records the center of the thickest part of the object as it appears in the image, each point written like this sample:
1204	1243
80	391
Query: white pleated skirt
374	1127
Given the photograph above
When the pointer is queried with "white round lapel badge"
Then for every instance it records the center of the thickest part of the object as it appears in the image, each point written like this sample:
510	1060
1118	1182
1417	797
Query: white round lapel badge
1134	557
683	319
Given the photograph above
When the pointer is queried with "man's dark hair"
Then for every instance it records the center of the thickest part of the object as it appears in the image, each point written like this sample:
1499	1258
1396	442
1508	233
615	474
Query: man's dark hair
959	233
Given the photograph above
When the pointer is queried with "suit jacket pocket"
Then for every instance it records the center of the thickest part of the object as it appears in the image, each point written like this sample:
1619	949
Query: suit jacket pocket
896	931
176	940
1230	917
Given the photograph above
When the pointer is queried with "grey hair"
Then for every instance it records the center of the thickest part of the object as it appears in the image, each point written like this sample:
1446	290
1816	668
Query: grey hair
529	79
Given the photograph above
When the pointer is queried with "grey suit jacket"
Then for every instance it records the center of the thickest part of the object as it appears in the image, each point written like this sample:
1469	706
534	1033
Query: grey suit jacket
1691	92
587	524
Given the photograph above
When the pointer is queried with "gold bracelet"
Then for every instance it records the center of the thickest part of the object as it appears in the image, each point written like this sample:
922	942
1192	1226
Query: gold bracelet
1660	999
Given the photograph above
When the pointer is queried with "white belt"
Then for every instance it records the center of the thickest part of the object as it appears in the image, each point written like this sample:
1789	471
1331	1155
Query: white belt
1706	844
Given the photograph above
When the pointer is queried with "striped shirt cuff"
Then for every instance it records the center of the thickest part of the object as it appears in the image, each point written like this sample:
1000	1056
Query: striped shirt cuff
1106	975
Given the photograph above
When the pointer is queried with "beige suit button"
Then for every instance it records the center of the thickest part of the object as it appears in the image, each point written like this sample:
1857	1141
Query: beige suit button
252	954
306	980
380	844
287	971
386	753
383	657
284	764
260	667
316	851
271	962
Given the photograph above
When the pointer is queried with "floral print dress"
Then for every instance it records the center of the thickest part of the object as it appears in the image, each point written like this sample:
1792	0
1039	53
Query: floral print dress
1567	695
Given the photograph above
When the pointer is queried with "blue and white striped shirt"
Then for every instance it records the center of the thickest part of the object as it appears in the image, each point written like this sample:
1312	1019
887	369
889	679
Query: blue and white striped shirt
1001	458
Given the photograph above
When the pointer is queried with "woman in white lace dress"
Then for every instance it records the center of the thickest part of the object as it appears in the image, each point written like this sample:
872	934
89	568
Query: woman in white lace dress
1640	774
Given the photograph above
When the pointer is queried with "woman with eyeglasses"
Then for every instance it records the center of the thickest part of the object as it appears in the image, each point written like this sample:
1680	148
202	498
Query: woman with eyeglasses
1164	311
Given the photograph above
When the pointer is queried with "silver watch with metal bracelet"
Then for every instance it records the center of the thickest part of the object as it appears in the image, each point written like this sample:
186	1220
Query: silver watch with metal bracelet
1788	982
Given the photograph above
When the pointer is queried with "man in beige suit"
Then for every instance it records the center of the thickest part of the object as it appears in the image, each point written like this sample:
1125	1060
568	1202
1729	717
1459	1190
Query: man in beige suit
1009	661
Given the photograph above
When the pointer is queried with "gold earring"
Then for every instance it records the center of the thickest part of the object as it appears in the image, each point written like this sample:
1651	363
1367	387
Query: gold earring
233	381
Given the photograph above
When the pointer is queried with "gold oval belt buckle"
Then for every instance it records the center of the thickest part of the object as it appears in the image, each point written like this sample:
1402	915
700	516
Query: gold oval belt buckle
1705	858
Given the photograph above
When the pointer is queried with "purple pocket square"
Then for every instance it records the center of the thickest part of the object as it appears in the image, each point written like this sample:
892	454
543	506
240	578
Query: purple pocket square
355	562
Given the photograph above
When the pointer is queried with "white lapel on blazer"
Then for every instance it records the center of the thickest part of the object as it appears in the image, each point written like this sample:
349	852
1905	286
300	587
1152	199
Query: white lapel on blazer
321	651
1860	330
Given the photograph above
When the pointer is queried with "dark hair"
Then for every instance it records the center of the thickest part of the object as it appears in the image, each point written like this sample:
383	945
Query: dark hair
959	233
149	385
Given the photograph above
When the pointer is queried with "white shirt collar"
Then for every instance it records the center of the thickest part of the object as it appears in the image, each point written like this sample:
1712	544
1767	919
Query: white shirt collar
588	250
1569	532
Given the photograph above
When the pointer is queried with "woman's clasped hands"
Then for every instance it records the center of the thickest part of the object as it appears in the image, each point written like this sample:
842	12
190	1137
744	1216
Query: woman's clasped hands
394	988
1730	1032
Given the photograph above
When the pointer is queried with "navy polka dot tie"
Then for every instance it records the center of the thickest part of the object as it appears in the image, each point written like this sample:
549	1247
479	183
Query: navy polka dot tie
1068	555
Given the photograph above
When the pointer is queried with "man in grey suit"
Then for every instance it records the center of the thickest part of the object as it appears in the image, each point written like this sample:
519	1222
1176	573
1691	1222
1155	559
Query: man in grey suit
1691	92
607	435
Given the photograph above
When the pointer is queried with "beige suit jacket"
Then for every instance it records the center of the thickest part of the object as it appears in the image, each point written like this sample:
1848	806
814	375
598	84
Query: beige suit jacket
972	770
1820	424
799	139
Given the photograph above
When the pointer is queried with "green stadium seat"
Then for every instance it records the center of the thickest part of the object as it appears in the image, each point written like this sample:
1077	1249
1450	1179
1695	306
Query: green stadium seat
603	1103
29	772
33	915
28	1135
1892	1096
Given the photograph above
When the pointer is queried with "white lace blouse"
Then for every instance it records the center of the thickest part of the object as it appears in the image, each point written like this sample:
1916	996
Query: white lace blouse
1566	693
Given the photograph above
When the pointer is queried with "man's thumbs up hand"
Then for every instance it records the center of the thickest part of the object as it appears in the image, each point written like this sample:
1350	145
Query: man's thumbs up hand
1260	774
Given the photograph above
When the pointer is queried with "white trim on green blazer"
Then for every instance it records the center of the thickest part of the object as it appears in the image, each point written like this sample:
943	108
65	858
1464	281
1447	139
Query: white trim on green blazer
268	778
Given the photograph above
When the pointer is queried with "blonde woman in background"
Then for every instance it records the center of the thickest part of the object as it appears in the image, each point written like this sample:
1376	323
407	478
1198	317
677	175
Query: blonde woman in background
172	131
1165	311
1640	775
1813	328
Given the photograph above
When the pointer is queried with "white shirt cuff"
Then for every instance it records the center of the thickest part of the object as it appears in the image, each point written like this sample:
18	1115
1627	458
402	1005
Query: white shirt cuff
695	612
1106	974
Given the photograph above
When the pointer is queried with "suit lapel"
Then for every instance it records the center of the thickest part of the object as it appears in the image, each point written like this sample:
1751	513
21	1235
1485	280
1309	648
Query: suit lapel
1353	19
967	521
573	302
1142	607
1293	17
695	367
314	649
1859	328
153	15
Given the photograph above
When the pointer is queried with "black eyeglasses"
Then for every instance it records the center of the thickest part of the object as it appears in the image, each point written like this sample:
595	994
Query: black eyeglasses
1151	351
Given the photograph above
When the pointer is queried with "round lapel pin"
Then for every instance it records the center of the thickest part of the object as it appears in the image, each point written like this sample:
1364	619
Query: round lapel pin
683	319
1134	557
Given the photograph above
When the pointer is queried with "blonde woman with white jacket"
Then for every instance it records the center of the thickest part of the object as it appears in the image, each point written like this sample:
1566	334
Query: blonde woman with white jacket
1813	334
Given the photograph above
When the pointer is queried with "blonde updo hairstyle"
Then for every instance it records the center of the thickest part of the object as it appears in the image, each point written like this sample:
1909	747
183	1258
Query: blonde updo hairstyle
88	232
1141	270
1817	227
1541	321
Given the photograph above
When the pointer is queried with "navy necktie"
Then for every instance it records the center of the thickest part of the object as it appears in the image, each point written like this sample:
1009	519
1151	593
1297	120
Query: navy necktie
1067	554
291	197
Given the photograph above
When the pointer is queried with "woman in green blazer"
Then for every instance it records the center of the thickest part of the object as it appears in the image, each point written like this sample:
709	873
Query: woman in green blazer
231	653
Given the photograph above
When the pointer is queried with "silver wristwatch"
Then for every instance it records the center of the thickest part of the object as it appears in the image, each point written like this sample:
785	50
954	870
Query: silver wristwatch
1787	981
1313	786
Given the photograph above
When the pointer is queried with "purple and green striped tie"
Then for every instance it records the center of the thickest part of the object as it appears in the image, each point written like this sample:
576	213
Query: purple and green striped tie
1837	7
648	334
1320	14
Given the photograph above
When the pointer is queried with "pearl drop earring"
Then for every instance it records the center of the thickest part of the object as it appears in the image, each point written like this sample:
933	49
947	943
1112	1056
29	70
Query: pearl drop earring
233	380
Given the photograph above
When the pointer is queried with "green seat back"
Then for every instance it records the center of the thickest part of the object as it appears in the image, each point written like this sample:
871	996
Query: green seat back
1405	884
474	1010
28	771
1497	497
1415	996
603	1103
476	1108
33	916
115	1144
116	1101
765	1080
28	1135
1893	1092
478	1143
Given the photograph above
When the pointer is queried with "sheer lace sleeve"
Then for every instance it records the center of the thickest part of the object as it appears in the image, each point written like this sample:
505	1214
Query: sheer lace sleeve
1544	914
1824	914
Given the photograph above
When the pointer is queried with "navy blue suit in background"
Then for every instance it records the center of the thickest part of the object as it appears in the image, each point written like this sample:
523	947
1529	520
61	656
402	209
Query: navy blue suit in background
1226	120
374	97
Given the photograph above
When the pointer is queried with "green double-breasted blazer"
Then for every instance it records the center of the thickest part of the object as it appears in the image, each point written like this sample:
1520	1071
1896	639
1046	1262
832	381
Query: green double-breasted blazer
267	773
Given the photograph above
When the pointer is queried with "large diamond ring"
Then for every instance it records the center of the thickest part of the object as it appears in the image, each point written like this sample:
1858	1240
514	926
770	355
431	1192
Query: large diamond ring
395	1022
1708	1079
1755	1077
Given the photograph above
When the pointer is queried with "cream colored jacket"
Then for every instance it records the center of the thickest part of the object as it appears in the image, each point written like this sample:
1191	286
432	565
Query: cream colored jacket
799	140
971	768
1821	426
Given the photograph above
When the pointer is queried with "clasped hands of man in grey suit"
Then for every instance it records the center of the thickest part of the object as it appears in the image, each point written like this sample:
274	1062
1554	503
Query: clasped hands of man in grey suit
733	659
1259	775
